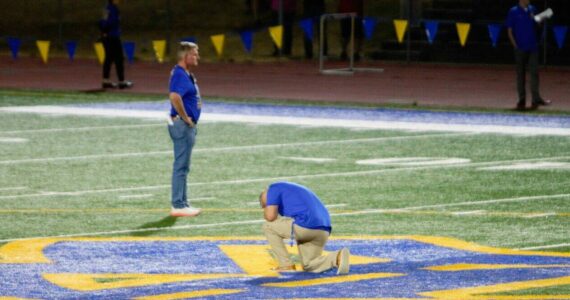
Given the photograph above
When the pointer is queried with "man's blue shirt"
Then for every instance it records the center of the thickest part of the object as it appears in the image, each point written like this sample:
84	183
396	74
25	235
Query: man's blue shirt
522	23
111	25
184	85
298	202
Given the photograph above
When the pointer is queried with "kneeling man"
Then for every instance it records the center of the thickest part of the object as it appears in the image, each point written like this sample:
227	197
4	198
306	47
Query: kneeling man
293	211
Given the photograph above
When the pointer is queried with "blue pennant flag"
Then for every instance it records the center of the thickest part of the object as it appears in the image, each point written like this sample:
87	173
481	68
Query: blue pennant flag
71	46
247	40
14	44
560	35
189	39
369	25
494	33
431	30
129	51
307	26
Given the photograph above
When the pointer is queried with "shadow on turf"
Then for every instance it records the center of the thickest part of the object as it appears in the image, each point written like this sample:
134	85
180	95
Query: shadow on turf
164	222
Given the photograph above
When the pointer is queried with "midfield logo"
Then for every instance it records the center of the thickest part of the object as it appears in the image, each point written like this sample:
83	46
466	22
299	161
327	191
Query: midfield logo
417	267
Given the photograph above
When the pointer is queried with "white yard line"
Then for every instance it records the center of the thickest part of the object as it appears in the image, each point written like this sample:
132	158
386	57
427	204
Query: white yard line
141	196
46	130
465	203
12	140
13	188
294	121
545	247
335	205
539	215
216	149
271	179
466	213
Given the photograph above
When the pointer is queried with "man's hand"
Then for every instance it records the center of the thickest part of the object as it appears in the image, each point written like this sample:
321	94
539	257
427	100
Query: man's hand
270	213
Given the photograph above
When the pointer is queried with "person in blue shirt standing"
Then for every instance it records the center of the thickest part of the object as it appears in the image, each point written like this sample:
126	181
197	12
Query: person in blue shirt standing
522	30
111	38
186	105
293	211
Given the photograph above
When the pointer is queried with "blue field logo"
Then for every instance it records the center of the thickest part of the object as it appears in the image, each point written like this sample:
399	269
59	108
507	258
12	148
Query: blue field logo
382	267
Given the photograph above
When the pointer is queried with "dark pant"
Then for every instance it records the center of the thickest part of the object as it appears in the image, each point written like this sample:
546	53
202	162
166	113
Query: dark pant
308	43
288	21
528	59
113	54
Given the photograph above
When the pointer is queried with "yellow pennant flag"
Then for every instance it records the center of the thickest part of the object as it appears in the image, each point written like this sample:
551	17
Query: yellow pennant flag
218	41
159	47
463	32
100	51
43	46
276	33
401	26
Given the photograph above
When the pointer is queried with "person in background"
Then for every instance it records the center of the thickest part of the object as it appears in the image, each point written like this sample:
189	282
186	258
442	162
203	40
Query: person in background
522	30
111	38
351	6
294	211
289	9
314	9
186	106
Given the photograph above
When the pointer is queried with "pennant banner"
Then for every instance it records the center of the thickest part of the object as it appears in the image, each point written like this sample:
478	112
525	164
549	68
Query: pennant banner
100	51
560	35
71	46
247	40
43	47
369	25
400	26
159	47
276	33
494	33
14	45
218	41
307	26
129	51
431	30
463	32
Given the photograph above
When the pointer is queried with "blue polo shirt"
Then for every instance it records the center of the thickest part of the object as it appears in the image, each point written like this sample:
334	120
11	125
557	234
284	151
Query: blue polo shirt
299	203
185	85
522	23
111	25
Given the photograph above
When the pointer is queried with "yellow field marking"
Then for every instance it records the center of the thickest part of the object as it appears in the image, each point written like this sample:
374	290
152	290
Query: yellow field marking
471	267
14	298
96	282
485	292
261	266
31	251
193	294
332	280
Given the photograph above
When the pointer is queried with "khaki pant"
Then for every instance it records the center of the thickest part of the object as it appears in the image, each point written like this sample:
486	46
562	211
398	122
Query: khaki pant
309	241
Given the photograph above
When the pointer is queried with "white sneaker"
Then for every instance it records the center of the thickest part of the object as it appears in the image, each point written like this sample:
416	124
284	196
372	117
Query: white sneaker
185	212
344	264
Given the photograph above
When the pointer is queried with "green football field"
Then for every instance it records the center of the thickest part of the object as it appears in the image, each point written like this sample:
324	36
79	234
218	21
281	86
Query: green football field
76	175
98	176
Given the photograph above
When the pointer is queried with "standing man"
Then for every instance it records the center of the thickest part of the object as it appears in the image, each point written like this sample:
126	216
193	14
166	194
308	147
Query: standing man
186	106
351	6
293	211
314	9
522	29
111	38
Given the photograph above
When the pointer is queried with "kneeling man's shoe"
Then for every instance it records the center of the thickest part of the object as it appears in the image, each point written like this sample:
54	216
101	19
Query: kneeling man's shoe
344	263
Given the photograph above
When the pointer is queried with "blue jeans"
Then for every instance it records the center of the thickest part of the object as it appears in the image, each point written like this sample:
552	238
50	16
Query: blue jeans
183	138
